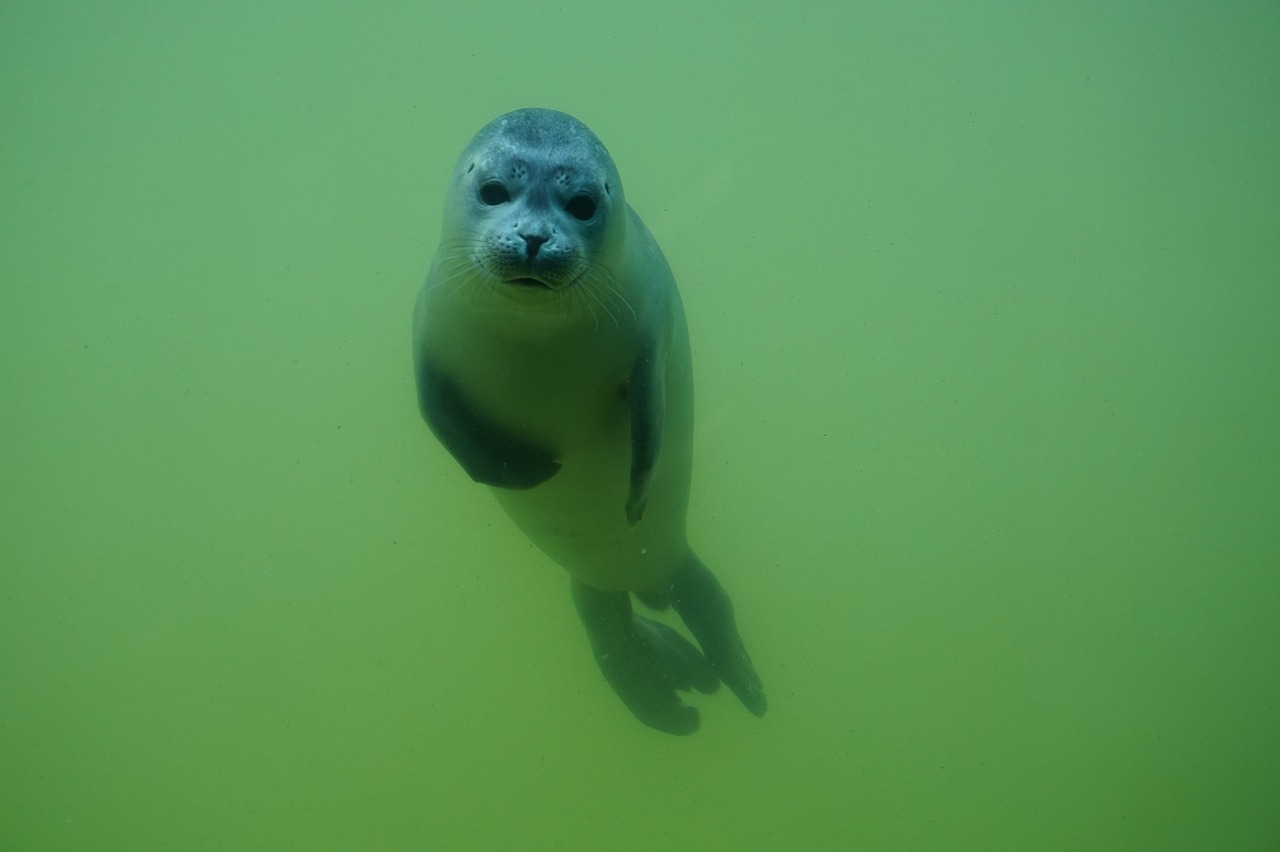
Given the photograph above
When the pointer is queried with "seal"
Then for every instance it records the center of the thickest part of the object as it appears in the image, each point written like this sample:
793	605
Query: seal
552	361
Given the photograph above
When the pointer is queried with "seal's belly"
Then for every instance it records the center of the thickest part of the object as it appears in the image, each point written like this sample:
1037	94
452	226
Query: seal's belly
578	516
578	519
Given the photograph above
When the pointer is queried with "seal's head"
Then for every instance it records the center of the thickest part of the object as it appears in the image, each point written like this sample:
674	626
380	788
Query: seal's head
533	202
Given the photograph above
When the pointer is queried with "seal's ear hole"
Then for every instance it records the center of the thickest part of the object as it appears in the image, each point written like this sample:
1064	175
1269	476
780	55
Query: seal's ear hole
494	193
581	207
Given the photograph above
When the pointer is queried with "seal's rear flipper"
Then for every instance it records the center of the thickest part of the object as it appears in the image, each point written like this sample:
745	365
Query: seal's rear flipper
708	613
645	662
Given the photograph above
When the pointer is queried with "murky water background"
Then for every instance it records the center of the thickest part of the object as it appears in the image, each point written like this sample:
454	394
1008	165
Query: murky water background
984	302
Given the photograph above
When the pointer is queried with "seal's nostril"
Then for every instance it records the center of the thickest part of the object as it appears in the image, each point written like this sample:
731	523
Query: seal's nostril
533	242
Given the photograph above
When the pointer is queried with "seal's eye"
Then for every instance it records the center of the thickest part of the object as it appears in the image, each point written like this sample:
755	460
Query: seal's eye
494	193
581	207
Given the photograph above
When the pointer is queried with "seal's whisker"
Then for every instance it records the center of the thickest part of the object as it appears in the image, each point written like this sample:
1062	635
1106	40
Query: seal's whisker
595	320
610	284
576	307
589	290
460	277
453	267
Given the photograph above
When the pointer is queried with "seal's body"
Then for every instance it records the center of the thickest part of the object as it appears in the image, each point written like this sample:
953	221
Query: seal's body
552	361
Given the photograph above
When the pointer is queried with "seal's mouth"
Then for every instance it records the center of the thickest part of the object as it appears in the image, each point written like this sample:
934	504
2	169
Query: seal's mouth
529	282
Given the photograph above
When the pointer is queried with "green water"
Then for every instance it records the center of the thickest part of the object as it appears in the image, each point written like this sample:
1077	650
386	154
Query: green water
985	306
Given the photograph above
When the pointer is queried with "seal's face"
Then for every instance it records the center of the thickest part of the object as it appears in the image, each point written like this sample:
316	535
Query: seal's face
537	201
535	223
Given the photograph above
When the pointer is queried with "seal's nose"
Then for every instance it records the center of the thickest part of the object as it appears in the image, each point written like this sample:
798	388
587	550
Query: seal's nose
533	242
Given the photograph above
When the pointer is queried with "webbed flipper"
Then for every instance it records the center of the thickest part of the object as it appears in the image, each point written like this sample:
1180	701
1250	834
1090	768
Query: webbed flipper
489	452
647	394
644	661
706	610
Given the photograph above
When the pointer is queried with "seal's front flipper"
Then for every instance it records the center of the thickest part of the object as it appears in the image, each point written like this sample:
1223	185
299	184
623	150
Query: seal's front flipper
645	662
647	394
489	452
708	613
